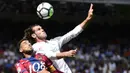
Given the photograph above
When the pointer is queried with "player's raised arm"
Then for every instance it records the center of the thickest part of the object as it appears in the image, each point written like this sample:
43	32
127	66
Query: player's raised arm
90	14
69	53
77	30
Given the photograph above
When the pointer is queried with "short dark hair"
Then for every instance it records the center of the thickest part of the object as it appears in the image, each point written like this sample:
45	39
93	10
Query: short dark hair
28	32
18	45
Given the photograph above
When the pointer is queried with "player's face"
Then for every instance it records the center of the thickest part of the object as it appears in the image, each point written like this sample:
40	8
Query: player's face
39	32
25	46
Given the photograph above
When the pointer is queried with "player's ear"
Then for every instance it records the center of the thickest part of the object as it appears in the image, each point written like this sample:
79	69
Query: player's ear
20	50
33	35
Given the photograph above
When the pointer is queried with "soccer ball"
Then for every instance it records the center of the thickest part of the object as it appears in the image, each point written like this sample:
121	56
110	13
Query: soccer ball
45	10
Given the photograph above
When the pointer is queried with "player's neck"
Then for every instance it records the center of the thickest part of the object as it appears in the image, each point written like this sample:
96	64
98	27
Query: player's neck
39	40
27	56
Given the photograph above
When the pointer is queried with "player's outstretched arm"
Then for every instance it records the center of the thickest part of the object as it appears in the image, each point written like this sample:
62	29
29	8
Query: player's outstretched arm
77	30
90	14
69	53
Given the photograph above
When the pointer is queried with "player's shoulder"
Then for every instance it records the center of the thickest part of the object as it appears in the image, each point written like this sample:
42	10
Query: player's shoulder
55	39
19	62
22	61
40	56
37	45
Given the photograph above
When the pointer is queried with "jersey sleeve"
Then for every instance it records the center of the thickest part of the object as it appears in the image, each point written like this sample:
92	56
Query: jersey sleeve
70	35
52	69
44	58
48	61
20	68
49	54
49	64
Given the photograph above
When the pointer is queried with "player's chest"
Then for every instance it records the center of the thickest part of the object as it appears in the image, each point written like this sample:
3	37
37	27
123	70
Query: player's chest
34	66
52	46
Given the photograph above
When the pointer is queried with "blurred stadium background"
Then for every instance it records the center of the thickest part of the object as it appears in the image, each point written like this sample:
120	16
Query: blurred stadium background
104	44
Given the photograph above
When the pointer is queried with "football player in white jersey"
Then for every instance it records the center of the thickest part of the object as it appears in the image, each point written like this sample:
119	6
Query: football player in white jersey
51	48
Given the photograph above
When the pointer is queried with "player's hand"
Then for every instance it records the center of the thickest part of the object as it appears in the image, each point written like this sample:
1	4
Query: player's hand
71	53
90	12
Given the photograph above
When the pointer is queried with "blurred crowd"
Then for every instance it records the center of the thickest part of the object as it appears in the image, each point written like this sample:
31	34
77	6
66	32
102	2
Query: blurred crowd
108	57
8	57
90	58
100	58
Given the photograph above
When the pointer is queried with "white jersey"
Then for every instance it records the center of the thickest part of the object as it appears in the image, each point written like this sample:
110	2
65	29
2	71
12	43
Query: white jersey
53	46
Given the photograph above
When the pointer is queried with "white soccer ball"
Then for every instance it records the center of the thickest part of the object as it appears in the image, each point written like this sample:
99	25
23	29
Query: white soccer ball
45	10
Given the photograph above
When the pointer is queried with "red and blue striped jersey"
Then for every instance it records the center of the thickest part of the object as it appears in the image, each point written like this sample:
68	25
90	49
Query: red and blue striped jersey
34	64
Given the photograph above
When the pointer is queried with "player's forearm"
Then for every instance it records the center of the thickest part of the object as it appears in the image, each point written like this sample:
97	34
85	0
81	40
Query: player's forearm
84	23
69	53
88	18
70	35
62	55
